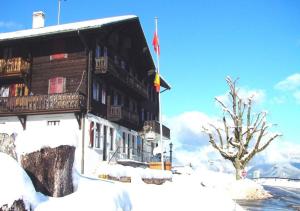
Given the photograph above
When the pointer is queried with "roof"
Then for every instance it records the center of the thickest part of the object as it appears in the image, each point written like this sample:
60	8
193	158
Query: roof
164	83
70	27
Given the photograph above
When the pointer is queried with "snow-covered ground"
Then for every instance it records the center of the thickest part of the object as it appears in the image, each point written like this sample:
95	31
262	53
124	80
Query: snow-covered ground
185	192
198	189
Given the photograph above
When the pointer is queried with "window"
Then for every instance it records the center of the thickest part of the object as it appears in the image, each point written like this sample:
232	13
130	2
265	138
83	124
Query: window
128	147
142	115
104	143
91	131
115	99
56	85
96	89
116	60
124	142
98	136
111	133
105	53
133	143
7	53
53	123
98	51
103	99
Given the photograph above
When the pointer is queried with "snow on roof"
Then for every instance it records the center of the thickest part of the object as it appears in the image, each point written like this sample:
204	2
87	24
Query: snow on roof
83	25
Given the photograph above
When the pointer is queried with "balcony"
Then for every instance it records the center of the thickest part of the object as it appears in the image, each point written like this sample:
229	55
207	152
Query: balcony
105	65
120	114
13	67
156	128
38	104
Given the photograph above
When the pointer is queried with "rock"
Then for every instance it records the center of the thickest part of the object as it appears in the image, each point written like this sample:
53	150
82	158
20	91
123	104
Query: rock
18	205
50	170
7	144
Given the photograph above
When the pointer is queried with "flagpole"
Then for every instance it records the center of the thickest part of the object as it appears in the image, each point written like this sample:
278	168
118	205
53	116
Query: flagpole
159	104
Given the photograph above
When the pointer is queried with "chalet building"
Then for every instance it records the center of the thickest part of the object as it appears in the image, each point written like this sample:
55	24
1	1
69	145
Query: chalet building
93	79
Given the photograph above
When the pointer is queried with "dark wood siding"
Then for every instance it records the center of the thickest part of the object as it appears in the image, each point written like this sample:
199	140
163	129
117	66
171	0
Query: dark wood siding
72	68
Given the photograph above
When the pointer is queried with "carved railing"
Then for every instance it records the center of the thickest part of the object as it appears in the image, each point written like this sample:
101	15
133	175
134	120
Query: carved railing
13	66
105	65
119	113
101	64
41	103
135	154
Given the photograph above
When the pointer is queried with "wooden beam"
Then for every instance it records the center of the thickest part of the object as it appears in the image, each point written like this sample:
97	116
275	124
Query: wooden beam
78	116
23	119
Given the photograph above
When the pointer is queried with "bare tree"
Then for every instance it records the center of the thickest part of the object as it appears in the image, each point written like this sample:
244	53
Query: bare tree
242	134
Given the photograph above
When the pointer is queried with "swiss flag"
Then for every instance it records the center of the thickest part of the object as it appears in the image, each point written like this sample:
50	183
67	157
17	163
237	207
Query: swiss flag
155	43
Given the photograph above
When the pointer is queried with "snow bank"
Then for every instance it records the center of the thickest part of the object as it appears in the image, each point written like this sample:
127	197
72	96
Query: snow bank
91	194
183	193
12	176
128	171
33	140
247	189
228	185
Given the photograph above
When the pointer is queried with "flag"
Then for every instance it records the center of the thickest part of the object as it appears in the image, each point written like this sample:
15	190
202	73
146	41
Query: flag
157	82
155	43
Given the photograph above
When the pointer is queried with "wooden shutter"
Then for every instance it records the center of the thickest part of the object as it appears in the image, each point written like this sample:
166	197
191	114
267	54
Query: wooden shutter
57	85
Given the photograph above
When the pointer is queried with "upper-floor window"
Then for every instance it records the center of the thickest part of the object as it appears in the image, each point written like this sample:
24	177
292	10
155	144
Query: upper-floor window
8	53
56	85
117	98
142	115
99	92
96	90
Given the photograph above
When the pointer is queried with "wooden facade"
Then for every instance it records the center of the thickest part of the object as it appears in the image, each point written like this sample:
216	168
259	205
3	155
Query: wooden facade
104	71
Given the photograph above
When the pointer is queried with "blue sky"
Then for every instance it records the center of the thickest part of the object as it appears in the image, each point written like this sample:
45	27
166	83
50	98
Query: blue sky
203	41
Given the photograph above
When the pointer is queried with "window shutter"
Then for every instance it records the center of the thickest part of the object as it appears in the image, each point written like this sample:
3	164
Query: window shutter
57	85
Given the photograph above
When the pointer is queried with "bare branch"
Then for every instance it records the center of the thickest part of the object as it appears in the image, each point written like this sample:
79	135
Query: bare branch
268	142
219	134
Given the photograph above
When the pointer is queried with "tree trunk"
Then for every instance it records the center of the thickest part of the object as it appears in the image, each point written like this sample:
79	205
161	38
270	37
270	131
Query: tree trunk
238	167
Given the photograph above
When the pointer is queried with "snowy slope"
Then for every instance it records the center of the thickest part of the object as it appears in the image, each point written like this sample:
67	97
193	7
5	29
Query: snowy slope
185	193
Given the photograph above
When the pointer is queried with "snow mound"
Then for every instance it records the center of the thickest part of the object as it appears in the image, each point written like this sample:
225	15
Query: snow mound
91	194
247	189
13	176
33	140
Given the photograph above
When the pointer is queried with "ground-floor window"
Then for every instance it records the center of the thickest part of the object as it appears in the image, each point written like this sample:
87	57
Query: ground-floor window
98	136
111	133
124	142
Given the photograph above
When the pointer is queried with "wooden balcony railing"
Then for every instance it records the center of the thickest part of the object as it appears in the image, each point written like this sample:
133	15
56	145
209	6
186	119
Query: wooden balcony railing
41	104
13	66
119	113
101	64
105	65
156	128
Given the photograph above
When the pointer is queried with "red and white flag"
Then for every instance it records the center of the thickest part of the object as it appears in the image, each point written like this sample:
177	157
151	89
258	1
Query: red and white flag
155	43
